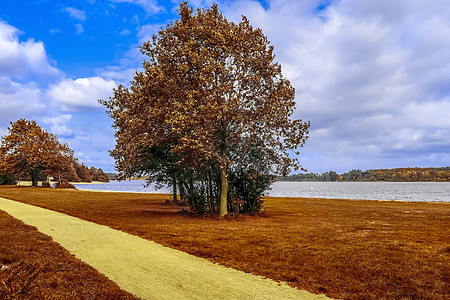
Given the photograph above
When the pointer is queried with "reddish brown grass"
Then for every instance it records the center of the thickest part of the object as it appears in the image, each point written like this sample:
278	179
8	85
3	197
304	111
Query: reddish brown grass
343	248
32	266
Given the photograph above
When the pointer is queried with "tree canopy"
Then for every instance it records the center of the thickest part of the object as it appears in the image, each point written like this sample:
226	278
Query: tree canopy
212	95
29	149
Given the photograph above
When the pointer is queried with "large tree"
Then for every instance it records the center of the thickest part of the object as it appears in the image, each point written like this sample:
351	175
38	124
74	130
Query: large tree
212	91
28	149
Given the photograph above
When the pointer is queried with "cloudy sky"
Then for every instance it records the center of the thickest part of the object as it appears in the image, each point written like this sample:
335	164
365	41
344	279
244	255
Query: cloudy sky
372	76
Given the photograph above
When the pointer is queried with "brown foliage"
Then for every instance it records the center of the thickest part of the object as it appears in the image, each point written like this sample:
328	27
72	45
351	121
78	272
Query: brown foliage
64	185
32	266
98	175
46	184
345	248
211	89
28	149
83	173
411	174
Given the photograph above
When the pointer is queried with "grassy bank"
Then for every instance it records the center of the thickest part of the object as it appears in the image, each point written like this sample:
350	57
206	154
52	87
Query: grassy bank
32	266
343	248
28	183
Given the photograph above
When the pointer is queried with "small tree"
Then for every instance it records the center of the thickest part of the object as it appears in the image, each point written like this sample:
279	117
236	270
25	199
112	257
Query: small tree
83	172
28	149
98	175
161	166
212	91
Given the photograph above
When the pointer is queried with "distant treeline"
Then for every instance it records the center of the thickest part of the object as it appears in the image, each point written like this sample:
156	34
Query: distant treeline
112	176
81	173
77	172
399	174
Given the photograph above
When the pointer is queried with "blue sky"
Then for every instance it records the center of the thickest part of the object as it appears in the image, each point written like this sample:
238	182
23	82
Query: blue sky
373	77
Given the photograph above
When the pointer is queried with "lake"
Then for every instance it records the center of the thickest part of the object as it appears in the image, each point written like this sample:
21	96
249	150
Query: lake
400	191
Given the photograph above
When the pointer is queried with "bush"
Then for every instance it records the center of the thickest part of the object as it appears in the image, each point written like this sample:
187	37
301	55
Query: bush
7	179
46	184
65	185
246	191
200	190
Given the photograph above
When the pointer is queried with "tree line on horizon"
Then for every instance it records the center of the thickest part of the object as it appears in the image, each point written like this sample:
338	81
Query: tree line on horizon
441	174
82	173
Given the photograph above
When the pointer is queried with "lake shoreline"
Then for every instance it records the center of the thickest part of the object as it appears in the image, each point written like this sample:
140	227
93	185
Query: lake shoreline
28	183
380	191
268	197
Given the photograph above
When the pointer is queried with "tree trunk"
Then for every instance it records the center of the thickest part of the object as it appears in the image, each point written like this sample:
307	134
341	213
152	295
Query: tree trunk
181	190
174	186
223	210
34	177
210	191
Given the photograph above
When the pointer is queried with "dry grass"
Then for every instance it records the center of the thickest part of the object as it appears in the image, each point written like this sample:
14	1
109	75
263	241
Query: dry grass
32	266
343	248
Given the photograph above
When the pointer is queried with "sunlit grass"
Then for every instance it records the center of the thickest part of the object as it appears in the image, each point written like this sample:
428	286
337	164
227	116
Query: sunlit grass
32	266
344	248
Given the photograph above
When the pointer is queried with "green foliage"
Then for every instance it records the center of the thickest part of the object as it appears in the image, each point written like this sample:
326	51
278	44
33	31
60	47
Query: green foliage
327	176
247	191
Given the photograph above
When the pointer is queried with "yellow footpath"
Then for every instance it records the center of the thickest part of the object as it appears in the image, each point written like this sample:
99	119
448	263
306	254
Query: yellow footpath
147	269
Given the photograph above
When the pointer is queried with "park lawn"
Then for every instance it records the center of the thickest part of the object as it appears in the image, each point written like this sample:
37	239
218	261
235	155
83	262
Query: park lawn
33	266
344	248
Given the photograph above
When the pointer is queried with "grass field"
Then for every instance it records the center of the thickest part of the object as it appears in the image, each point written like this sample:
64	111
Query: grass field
32	266
343	248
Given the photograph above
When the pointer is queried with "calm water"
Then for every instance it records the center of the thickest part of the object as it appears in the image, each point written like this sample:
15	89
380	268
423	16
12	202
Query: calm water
402	191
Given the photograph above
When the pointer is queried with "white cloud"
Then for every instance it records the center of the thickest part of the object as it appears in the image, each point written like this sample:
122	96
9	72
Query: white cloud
119	74
23	60
434	114
58	124
146	32
82	93
31	88
371	76
151	7
79	28
125	32
75	13
3	131
19	101
91	143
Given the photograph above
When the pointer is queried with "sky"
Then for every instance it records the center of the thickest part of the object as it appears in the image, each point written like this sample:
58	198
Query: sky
372	77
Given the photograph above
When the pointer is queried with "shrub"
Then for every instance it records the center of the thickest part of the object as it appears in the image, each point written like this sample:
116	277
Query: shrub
246	191
7	179
65	185
46	184
200	190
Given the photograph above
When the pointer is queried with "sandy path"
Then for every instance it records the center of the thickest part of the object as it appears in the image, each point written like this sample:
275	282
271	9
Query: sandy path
147	269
